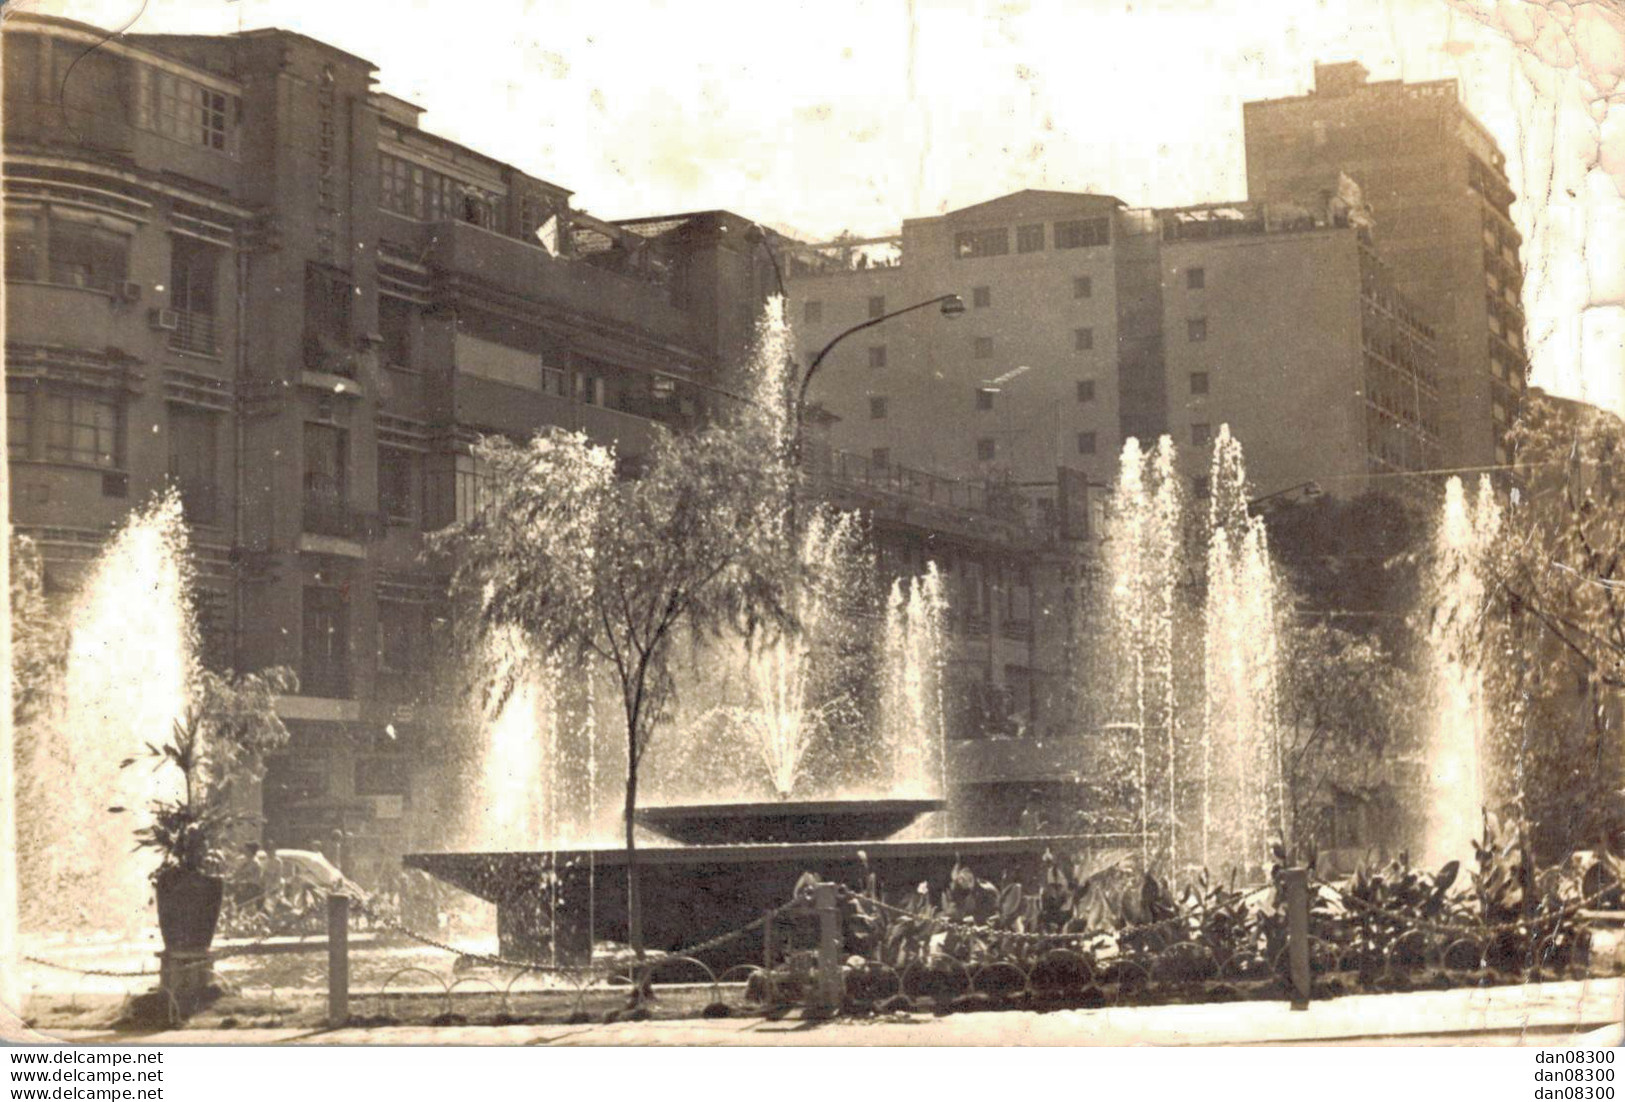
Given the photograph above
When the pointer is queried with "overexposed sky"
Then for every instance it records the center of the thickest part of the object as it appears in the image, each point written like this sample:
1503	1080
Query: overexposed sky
854	114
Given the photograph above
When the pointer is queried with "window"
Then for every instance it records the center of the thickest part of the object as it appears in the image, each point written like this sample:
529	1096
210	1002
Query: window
1086	443
589	389
1083	287
1196	329
85	254
23	245
401	636
192	272
877	356
877	305
1201	434
812	312
1198	382
1083	339
877	409
880	458
397	483
425	195
19	428
1201	486
397	323
973	243
469	488
1030	239
1083	233
984	348
327	303
1195	278
81	428
981	296
325	668
326	463
987	449
193	461
984	398
1086	390
185	110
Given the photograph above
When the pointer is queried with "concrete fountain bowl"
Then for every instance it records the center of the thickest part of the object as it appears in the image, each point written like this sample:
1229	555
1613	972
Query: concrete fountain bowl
724	824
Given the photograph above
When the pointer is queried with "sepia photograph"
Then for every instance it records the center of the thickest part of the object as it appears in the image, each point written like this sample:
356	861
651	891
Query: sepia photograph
869	523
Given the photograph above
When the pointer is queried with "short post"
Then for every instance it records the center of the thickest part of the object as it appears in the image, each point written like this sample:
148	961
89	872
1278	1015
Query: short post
1297	929
338	959
768	996
828	1002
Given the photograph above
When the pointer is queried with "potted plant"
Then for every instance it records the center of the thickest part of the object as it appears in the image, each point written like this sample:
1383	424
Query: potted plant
221	741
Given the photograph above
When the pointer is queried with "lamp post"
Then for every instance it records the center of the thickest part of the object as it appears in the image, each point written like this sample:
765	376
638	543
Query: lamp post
952	307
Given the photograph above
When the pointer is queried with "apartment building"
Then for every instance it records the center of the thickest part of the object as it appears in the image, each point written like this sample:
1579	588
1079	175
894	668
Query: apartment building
236	268
1437	185
1088	323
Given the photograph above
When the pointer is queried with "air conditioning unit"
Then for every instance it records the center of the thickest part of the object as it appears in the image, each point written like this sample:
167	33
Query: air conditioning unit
160	318
129	292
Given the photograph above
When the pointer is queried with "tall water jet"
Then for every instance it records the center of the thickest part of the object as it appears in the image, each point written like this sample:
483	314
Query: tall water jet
1456	751
789	706
1143	564
911	707
125	683
1242	770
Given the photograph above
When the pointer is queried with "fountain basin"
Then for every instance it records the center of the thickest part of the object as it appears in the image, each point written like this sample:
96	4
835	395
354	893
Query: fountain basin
552	907
784	820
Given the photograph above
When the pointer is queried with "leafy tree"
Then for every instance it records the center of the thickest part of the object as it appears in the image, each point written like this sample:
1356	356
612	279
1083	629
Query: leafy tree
1553	626
591	563
1344	721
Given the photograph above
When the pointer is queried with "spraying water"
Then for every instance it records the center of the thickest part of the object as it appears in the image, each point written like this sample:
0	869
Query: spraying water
1193	716
1457	785
911	707
130	650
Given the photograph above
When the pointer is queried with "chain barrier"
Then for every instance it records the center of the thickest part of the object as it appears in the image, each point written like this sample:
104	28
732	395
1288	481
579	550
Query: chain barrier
1036	937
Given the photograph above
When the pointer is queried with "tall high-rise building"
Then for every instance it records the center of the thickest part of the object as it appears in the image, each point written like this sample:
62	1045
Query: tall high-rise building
1087	323
1436	183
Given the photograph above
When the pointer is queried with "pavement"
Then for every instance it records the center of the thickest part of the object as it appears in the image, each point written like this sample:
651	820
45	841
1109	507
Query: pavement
1578	1012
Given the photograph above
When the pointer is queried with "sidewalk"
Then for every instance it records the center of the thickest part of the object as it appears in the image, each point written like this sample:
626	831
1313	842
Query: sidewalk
1537	1014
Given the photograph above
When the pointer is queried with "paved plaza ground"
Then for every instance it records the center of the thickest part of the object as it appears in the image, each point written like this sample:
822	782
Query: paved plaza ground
1578	1012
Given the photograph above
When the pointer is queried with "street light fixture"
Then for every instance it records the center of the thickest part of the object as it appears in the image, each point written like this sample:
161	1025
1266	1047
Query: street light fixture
952	307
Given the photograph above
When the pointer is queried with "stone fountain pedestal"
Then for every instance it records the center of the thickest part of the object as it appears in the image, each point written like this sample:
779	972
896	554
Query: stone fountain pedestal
552	907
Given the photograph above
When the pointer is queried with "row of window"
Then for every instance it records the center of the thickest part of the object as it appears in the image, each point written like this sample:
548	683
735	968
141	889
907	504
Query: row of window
1079	233
425	195
408	634
1199	382
812	311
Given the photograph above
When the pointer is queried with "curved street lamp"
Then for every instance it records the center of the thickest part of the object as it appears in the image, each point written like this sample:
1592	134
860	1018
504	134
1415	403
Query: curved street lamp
952	307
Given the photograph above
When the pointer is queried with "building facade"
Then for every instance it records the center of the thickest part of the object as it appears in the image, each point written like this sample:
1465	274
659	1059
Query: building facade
235	268
1088	323
1437	186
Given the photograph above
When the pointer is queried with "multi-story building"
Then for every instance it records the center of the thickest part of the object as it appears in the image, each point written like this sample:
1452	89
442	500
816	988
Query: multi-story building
234	267
1088	323
1437	186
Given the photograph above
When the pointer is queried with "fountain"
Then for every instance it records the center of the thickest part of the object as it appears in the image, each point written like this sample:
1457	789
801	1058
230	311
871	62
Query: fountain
129	649
1192	720
1456	752
767	768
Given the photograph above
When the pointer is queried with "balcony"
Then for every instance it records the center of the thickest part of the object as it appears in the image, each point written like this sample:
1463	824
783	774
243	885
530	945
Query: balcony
482	263
324	681
327	512
198	334
328	355
1018	630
